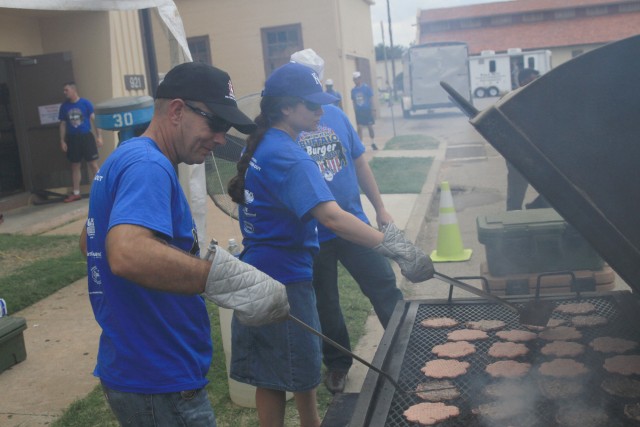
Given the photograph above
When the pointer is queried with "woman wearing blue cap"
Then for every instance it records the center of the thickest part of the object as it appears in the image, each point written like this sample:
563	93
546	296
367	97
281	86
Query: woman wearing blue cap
282	195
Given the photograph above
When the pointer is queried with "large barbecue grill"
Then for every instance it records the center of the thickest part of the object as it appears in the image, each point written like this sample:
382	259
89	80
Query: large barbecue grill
406	347
575	135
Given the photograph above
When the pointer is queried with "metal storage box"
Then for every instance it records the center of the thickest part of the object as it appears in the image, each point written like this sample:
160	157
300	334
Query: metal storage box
532	241
12	349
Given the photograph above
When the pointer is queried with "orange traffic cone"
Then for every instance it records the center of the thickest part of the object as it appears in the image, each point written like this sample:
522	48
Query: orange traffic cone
450	248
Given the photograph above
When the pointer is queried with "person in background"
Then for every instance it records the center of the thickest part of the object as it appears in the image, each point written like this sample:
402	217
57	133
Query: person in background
338	151
282	196
331	91
516	183
145	273
362	97
79	136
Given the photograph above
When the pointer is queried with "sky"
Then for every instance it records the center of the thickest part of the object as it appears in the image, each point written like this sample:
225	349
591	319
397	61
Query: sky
403	17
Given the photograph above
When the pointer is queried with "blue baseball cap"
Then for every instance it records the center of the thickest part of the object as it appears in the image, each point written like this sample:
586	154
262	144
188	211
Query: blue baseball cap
293	79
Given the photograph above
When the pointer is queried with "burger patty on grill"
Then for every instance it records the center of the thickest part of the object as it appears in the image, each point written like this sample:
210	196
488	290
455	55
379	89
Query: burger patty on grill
508	369
437	390
581	416
445	368
612	345
467	335
576	308
439	322
561	333
508	350
621	386
507	389
560	388
498	411
428	413
517	335
623	364
562	349
454	349
486	325
552	323
588	321
563	368
632	411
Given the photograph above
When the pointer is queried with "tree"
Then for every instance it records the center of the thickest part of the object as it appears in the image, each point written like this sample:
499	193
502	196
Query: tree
395	53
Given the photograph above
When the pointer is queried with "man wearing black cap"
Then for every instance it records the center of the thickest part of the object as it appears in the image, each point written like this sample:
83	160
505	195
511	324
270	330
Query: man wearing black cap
145	273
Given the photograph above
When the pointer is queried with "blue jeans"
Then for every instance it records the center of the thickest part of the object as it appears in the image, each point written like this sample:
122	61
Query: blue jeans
376	279
189	408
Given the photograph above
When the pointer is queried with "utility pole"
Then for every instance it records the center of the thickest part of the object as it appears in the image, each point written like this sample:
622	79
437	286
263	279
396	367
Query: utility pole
393	63
386	72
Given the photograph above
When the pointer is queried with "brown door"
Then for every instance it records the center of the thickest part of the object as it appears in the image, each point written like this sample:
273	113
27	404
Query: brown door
39	83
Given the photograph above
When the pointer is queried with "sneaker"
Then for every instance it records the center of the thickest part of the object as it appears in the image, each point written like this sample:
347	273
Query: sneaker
72	198
374	146
335	381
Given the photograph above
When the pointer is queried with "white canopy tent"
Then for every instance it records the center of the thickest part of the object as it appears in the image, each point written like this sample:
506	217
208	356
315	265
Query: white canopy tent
195	174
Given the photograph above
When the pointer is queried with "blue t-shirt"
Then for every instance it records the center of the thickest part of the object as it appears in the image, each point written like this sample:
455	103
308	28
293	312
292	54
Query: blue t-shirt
282	184
334	147
76	115
361	96
151	341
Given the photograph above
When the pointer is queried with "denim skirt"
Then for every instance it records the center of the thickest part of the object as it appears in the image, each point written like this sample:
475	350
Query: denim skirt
280	356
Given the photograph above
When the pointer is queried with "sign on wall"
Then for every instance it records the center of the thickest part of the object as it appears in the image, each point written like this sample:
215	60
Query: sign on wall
134	81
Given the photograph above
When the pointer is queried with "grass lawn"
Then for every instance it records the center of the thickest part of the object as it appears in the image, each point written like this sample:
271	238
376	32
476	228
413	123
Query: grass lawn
412	142
34	267
400	175
92	411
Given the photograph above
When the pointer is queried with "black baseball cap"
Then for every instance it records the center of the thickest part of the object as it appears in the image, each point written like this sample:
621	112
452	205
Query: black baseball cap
196	81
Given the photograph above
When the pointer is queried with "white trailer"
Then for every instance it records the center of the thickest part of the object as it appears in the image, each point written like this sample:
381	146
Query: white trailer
425	66
494	74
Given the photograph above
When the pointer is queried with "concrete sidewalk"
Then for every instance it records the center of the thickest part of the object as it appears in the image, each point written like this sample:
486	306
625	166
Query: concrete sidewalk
62	336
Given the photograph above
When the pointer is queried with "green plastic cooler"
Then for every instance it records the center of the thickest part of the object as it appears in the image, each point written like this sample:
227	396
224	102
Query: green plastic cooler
534	241
12	349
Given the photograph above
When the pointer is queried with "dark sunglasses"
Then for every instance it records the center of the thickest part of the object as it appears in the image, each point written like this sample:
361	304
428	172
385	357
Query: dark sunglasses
311	106
216	124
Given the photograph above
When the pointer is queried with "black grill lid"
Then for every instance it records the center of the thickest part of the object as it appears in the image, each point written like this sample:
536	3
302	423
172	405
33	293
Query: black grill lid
574	133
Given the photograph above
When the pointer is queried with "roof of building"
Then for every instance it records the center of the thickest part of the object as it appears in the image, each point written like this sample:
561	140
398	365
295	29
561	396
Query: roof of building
534	35
502	8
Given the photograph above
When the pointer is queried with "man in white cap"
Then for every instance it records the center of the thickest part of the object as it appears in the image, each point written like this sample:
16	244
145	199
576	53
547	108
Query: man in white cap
331	91
362	97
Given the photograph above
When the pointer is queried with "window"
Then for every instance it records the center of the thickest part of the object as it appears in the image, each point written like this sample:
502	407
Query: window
531	62
565	14
435	27
470	23
501	20
200	50
597	11
278	43
631	7
533	17
492	66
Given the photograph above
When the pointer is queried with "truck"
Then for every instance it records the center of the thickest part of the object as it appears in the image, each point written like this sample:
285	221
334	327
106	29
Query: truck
425	66
494	74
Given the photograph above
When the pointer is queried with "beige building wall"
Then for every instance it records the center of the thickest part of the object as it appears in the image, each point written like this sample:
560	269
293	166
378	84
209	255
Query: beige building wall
338	30
20	33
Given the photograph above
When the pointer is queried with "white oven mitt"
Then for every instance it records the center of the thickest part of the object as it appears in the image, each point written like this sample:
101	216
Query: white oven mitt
255	297
414	264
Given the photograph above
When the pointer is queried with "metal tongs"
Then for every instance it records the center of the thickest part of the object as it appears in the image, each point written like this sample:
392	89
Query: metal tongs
535	312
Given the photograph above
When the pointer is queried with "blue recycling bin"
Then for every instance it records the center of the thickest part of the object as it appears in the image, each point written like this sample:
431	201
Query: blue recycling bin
129	115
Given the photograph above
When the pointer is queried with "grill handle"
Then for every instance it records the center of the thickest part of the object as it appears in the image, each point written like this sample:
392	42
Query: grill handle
475	291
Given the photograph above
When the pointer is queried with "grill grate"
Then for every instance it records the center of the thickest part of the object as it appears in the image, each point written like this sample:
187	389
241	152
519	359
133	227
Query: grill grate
540	411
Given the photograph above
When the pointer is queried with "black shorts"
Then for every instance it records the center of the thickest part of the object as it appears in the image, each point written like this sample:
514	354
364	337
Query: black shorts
364	117
81	146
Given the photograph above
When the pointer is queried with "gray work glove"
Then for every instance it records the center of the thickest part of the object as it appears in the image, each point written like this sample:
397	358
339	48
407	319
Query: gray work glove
414	264
255	297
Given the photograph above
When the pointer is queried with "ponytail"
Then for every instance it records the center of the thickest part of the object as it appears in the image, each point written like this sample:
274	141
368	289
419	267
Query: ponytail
270	115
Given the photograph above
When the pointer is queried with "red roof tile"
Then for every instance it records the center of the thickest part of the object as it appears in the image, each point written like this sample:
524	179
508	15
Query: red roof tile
542	35
501	8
